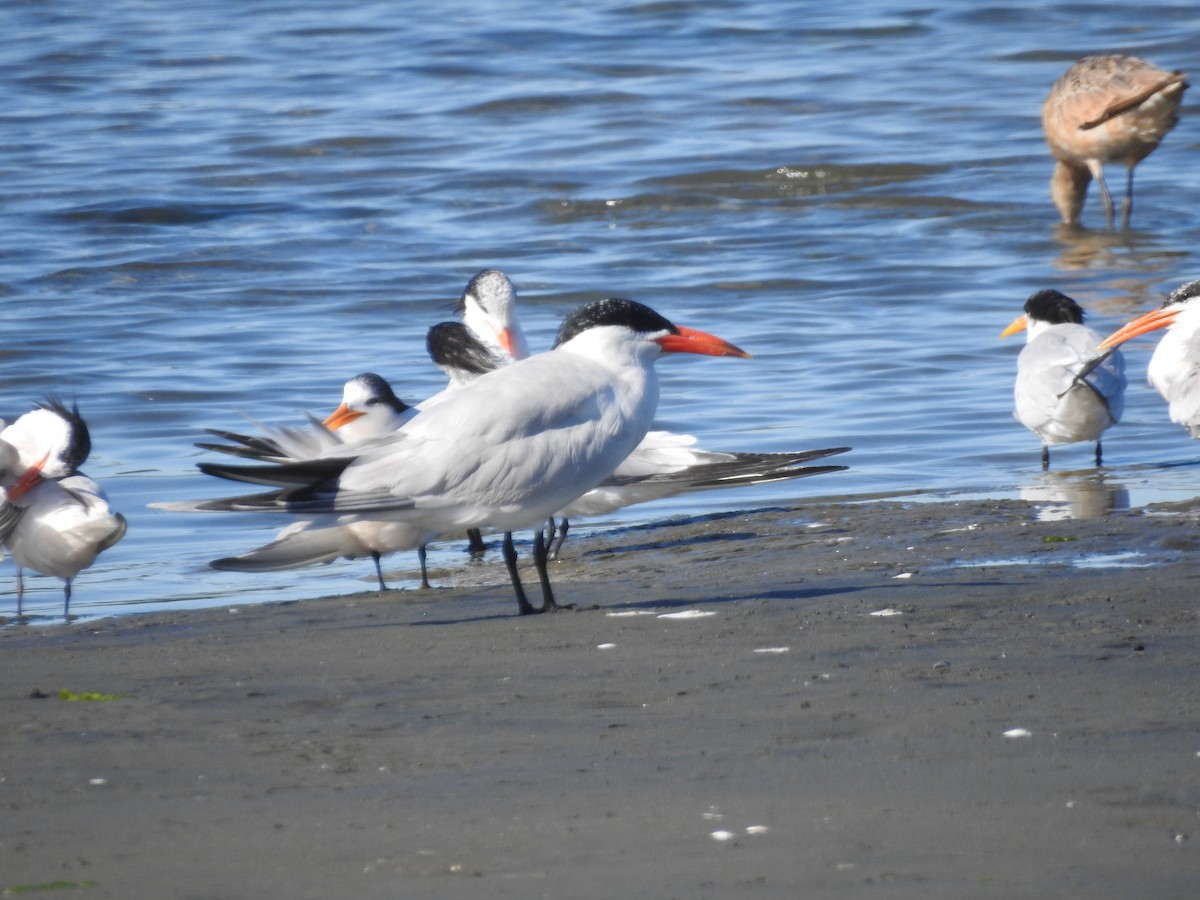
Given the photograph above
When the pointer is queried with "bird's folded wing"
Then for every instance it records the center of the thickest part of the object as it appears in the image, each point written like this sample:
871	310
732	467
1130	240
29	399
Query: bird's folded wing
10	515
739	468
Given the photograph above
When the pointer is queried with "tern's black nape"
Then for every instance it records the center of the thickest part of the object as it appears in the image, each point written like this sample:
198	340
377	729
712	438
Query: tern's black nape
451	345
1054	307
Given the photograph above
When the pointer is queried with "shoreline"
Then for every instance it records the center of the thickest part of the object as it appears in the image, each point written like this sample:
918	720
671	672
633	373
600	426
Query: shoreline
949	698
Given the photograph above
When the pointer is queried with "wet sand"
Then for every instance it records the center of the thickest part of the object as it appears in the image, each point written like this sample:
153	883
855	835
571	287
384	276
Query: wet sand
938	700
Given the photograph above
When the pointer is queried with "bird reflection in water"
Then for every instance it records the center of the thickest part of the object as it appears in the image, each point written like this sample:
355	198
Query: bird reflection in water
1085	494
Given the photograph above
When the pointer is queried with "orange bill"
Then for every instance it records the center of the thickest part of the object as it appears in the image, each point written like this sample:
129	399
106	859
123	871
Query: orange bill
343	415
1020	323
689	340
1151	321
504	336
28	480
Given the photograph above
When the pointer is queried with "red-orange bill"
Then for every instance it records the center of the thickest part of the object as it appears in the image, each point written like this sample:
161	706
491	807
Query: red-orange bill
1151	321
689	340
27	480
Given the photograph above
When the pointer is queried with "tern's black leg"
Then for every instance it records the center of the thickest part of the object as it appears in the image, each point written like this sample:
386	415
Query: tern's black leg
1099	454
424	571
510	560
1045	457
475	545
539	561
563	526
20	592
378	571
66	599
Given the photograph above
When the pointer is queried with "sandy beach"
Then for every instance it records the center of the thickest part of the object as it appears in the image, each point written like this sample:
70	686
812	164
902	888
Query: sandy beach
844	699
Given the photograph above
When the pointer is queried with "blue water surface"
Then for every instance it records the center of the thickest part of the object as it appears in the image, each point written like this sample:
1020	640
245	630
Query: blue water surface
219	213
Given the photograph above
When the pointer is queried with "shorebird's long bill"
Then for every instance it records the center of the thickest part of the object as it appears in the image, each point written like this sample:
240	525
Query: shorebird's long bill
1020	323
1151	321
341	416
689	340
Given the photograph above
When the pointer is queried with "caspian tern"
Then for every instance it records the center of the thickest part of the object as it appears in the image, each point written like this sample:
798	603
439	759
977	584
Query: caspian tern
53	518
1066	390
1174	369
489	336
504	451
663	465
1112	108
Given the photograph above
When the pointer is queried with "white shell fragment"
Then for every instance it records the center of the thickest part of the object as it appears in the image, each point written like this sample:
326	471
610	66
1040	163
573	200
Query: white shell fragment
772	649
757	829
903	575
605	646
888	612
722	835
688	614
1018	733
631	612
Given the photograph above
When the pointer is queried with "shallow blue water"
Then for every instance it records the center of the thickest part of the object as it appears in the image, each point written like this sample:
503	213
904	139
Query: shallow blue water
218	215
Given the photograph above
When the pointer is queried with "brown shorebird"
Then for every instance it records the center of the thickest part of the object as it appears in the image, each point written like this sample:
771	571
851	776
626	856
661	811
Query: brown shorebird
1111	108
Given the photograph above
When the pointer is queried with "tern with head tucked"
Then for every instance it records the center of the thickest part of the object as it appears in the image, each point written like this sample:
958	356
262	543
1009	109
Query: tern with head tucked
1174	369
504	451
1067	390
53	518
488	308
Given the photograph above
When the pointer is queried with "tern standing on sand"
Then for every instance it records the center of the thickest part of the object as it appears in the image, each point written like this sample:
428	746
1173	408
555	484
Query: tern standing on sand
1067	390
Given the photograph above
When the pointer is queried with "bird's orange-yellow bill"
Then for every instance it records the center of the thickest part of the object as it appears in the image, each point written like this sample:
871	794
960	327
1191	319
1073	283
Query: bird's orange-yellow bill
1020	323
341	416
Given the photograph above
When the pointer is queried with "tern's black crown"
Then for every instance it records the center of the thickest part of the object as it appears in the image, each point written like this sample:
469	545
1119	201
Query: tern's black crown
378	391
483	283
613	311
1183	293
1053	307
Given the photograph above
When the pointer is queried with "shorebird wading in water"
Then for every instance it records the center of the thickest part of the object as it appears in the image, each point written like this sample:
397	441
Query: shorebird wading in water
1106	109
